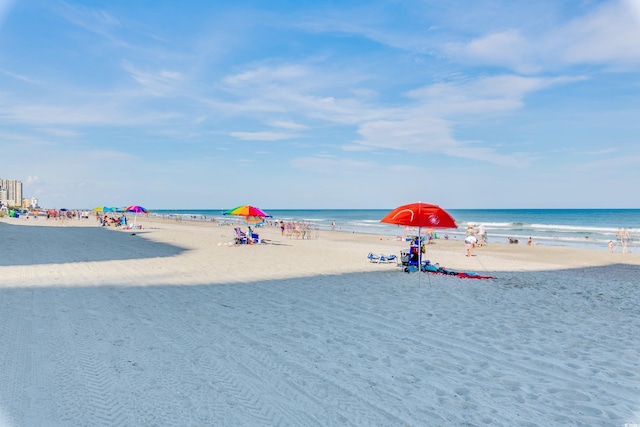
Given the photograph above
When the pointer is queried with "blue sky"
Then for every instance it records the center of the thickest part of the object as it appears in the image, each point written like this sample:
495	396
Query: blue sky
310	104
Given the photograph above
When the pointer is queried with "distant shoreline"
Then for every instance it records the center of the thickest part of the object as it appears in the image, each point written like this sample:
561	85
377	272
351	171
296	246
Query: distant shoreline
229	222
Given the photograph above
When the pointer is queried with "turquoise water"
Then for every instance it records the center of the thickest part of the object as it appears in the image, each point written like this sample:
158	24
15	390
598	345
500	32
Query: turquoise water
561	227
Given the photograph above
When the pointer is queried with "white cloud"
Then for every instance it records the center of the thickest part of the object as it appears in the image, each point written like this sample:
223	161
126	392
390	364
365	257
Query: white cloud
262	136
265	74
428	126
428	135
485	95
157	83
508	48
288	125
608	35
414	135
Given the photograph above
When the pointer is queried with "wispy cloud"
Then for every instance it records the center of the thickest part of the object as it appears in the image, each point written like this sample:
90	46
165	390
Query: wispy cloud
96	21
32	180
375	87
5	8
288	125
606	35
428	135
65	133
262	136
484	95
156	82
20	77
265	74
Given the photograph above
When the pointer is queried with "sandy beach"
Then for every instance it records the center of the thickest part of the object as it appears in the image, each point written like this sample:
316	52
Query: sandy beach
172	326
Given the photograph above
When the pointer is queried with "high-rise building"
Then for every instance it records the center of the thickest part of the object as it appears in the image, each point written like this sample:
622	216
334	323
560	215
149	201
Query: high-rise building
10	192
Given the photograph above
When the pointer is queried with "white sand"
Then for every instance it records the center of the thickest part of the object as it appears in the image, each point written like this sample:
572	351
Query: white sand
100	327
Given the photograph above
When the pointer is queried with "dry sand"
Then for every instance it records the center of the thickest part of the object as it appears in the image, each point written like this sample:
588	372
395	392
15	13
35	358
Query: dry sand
171	326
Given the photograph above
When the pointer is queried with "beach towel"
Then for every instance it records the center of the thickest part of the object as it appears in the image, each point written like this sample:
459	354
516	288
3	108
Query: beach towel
437	269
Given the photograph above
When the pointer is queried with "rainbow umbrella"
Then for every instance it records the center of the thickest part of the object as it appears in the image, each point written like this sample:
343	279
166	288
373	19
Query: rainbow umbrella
253	220
136	210
247	211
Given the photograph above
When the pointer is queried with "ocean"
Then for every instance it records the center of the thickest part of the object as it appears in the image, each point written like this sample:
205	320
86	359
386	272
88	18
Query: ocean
592	228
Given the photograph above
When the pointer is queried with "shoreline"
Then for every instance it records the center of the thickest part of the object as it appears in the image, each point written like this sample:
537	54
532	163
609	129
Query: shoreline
496	236
575	228
451	250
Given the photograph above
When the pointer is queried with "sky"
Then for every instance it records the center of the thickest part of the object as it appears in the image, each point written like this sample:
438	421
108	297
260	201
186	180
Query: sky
322	104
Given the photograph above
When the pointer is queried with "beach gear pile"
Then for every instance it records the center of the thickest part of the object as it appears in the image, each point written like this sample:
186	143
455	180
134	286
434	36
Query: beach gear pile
427	267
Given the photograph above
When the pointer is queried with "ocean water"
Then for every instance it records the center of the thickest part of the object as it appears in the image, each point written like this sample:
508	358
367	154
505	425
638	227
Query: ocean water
558	227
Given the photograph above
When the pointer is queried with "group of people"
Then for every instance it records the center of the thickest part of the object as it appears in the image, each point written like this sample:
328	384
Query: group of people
107	221
624	238
298	230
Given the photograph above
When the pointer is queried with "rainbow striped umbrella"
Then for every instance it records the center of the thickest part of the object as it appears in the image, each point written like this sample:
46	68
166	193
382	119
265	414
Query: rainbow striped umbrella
247	211
136	209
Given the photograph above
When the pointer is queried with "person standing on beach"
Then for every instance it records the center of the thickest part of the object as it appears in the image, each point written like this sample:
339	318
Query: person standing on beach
482	235
610	245
282	227
625	240
469	241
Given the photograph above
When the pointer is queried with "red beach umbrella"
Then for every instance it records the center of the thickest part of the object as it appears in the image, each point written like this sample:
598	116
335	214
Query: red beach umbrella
420	215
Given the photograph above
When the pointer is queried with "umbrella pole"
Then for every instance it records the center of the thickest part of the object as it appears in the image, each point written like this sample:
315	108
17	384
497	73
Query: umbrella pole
419	255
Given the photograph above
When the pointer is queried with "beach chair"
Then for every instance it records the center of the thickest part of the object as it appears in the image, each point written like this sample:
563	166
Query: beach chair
389	259
241	237
410	257
373	258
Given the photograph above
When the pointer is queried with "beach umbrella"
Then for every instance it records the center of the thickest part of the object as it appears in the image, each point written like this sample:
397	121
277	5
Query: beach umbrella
247	211
103	209
136	210
420	215
253	220
251	215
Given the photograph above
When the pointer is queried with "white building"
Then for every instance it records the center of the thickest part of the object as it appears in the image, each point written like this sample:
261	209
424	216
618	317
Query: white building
10	192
